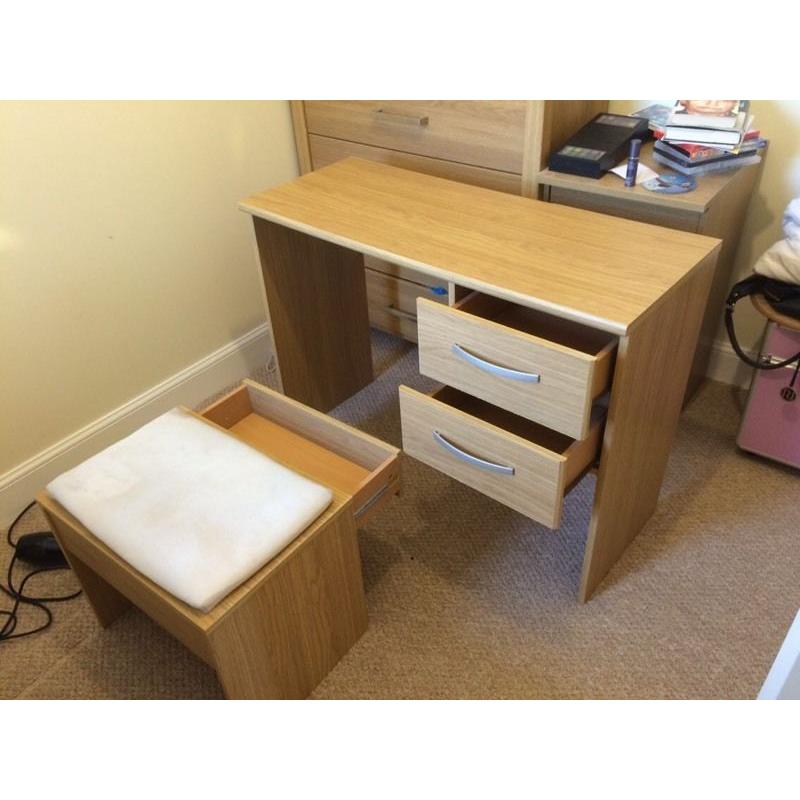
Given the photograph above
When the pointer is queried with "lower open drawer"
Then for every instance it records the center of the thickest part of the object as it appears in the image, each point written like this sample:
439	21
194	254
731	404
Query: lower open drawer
522	464
323	449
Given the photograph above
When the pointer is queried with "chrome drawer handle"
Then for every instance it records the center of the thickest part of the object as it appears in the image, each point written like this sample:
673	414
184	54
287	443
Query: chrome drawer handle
405	119
495	369
490	466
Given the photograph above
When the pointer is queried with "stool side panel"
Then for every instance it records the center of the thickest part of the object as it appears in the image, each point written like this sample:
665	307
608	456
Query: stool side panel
290	631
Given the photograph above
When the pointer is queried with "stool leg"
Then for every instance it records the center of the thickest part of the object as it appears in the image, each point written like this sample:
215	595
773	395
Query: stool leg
290	632
106	602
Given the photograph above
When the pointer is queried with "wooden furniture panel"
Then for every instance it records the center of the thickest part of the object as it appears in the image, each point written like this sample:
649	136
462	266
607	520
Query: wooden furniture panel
323	449
334	288
485	133
405	273
650	378
284	628
643	283
324	151
523	465
285	638
601	271
393	303
541	367
717	207
462	131
677	218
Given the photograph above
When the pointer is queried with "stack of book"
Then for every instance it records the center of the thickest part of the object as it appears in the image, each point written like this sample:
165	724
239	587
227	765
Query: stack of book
696	137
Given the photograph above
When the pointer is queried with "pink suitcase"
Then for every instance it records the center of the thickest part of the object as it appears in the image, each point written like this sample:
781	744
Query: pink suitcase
771	424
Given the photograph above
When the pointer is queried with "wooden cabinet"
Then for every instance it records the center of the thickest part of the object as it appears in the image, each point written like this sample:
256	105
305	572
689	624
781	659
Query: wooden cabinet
717	207
496	144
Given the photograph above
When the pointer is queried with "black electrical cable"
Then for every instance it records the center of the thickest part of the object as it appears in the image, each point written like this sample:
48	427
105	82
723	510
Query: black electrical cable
7	631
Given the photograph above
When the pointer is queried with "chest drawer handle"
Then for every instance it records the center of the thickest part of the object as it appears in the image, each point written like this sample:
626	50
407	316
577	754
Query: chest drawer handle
403	119
495	369
489	466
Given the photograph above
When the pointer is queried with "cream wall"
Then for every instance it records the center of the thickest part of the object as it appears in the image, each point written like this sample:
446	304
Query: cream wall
123	257
779	121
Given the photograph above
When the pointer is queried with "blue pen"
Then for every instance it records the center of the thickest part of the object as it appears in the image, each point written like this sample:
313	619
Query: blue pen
633	162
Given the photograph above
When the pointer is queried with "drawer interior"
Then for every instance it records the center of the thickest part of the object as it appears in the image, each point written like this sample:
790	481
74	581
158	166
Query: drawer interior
537	323
536	434
327	451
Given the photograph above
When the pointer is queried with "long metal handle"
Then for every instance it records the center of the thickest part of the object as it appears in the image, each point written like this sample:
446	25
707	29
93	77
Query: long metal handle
490	466
495	369
405	119
398	312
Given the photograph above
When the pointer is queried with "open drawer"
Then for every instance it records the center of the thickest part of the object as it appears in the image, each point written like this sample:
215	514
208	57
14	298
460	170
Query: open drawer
517	462
541	367
351	463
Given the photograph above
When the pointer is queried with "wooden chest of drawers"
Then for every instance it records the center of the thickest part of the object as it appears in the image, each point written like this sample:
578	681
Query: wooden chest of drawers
496	144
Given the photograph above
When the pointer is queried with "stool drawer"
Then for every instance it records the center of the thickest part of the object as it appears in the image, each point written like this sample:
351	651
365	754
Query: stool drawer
358	468
521	464
393	302
541	367
485	133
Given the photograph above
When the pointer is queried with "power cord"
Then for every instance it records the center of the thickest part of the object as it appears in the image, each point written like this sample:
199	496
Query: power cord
18	595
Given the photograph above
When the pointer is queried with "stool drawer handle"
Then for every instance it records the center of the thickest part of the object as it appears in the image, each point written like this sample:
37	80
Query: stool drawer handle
404	119
489	466
495	369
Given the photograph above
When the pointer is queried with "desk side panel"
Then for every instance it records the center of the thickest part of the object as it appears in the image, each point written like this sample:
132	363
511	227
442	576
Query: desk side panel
317	306
650	378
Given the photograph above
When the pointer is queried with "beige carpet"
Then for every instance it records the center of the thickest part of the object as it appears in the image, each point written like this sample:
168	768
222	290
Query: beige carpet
469	599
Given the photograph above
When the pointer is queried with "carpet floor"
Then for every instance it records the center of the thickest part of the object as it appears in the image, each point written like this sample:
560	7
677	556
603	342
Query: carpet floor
468	599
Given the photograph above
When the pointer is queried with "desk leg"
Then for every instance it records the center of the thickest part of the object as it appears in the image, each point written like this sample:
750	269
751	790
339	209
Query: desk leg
652	369
317	307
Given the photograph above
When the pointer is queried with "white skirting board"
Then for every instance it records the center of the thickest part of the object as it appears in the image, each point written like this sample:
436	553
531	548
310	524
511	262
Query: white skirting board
726	367
190	386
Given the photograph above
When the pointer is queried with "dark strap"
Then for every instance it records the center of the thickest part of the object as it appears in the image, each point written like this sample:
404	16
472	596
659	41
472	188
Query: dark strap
751	285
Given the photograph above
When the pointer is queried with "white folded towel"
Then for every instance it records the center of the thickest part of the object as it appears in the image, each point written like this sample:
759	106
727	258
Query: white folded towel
189	506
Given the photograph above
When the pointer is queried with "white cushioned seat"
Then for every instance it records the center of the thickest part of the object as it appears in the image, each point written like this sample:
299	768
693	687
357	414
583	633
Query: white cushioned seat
190	506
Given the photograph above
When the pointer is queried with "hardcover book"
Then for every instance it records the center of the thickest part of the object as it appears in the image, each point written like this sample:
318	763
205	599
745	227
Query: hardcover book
719	114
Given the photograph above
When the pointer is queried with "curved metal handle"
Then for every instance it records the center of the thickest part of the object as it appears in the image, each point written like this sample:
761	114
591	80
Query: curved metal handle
495	369
490	466
406	119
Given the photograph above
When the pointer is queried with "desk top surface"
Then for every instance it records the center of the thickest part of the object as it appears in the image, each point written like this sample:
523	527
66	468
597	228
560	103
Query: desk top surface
600	270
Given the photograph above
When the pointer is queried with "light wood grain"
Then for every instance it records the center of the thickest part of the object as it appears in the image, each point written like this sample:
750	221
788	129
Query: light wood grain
325	151
399	271
289	633
650	378
573	362
393	303
549	124
544	463
598	270
680	219
298	113
485	133
316	368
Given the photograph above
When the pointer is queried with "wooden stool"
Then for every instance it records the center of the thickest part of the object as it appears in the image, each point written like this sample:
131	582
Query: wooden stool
280	632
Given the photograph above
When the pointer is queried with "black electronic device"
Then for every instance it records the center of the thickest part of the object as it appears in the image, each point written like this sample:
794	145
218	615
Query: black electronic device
599	145
41	549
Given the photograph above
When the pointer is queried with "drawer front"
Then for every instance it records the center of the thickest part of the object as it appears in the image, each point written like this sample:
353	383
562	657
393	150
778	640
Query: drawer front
484	133
537	379
518	473
392	302
641	212
325	150
407	274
